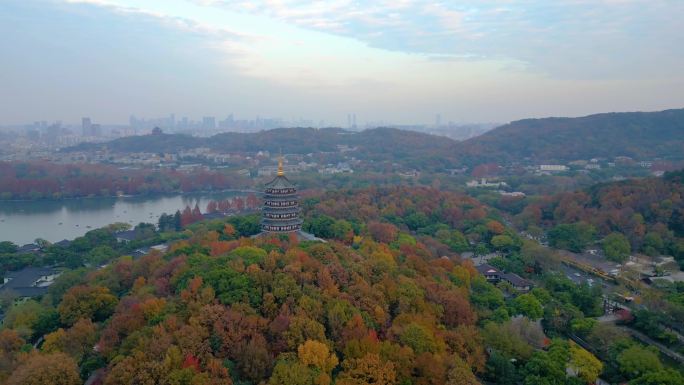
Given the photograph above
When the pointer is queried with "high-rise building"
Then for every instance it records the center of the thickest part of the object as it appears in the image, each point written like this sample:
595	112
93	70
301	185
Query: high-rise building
95	130
209	123
86	127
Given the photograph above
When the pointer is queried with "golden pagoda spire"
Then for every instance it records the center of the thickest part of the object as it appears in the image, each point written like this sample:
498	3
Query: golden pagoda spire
280	164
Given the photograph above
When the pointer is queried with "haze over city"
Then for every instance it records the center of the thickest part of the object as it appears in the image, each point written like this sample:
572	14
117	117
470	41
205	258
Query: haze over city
394	61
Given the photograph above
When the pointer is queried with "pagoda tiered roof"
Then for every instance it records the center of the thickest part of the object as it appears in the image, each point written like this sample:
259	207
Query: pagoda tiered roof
280	182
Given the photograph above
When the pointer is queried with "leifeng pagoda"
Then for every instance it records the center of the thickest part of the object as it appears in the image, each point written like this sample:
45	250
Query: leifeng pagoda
280	213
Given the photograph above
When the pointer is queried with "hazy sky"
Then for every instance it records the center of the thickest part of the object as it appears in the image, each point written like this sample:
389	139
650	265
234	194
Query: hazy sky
397	60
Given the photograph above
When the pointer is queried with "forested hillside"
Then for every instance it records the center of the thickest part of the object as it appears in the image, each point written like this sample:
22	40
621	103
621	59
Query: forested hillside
373	144
220	309
646	214
385	301
641	135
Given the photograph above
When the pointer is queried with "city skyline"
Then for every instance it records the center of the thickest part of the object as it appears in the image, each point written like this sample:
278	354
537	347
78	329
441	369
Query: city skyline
400	61
173	120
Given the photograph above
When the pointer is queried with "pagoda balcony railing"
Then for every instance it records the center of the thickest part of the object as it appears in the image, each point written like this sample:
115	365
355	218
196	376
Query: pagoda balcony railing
282	228
281	204
280	191
281	216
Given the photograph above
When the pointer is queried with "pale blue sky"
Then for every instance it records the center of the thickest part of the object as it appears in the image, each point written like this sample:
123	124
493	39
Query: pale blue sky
401	61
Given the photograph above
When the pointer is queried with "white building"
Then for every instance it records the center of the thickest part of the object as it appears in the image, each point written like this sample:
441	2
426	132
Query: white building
553	167
517	194
485	183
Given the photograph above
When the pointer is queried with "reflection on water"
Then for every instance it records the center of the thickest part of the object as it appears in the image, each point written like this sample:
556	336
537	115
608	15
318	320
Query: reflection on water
23	221
51	206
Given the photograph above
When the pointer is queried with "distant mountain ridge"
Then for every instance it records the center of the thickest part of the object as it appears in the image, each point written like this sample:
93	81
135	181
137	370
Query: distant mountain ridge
377	144
641	135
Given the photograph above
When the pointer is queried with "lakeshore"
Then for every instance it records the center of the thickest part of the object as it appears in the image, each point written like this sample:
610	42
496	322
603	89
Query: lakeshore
54	220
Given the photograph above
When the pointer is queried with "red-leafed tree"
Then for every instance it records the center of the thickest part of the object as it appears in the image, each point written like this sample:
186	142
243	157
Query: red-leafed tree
212	207
238	203
191	362
252	201
487	169
196	213
383	232
224	205
186	216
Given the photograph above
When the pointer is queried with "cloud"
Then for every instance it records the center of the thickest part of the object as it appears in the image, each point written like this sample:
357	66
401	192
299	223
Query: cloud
97	58
564	39
561	38
402	60
181	23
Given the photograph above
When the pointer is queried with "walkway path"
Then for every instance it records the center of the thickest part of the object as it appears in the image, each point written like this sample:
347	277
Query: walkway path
611	318
649	341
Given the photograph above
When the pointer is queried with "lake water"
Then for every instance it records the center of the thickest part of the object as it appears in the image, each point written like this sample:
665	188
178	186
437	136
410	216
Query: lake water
23	221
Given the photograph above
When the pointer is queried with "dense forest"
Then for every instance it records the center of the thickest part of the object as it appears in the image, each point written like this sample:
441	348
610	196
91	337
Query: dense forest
386	300
621	220
36	180
638	215
641	135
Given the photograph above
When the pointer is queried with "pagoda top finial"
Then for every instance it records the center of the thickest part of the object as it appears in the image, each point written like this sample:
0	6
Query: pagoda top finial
280	164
